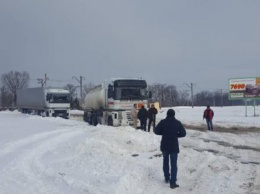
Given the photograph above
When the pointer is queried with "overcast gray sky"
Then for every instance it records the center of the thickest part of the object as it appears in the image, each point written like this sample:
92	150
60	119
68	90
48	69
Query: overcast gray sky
204	42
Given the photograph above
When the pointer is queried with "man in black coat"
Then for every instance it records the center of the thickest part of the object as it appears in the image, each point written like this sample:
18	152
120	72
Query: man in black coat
171	129
151	116
142	116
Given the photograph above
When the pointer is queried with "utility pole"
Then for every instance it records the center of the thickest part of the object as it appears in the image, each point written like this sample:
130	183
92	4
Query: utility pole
191	88
45	79
43	82
80	82
40	81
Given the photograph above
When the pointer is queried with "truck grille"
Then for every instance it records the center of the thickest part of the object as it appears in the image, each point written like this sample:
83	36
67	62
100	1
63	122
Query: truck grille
60	111
129	116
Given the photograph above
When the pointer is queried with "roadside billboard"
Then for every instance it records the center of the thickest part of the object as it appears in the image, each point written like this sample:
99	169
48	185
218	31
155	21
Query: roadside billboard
244	88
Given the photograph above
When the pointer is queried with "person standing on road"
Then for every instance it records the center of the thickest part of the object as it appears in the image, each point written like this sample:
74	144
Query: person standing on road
208	115
134	115
142	116
171	129
151	116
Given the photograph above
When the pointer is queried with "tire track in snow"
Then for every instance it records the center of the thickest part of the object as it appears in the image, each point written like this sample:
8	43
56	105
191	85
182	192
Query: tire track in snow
15	145
29	168
215	174
237	163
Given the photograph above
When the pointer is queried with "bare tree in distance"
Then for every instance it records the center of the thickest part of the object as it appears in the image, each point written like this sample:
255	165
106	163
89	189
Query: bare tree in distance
72	90
166	95
88	87
74	103
184	98
204	98
15	80
171	96
156	90
6	97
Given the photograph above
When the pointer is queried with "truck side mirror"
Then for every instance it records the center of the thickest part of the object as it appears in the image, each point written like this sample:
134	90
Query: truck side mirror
110	91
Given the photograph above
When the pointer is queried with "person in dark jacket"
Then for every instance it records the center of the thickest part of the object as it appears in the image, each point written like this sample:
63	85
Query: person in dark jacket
142	116
151	116
208	115
171	129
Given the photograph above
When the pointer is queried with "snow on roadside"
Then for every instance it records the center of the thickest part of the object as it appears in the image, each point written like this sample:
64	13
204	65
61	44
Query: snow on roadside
53	155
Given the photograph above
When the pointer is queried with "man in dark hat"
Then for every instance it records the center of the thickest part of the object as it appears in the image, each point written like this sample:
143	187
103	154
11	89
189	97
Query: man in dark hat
171	129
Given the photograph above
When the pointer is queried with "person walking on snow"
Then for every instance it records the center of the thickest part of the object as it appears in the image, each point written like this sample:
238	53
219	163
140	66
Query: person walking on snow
142	116
151	116
134	115
171	129
208	115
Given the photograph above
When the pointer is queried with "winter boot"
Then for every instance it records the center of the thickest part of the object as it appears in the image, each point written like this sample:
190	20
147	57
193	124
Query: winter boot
173	186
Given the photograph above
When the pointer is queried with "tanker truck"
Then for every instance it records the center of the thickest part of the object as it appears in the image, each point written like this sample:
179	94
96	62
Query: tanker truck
110	103
44	101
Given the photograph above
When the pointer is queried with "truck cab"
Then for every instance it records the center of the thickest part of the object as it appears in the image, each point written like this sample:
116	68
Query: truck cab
111	102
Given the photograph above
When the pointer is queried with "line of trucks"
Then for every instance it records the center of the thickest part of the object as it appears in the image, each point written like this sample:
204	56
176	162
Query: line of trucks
109	103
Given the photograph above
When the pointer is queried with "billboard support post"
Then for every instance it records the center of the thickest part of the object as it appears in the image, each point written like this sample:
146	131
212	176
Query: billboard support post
254	109
246	108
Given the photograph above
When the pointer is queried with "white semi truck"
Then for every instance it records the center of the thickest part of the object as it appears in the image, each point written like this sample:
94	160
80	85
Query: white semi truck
111	102
44	101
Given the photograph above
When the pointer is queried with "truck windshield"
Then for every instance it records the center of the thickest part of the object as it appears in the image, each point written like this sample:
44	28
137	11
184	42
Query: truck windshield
59	98
129	93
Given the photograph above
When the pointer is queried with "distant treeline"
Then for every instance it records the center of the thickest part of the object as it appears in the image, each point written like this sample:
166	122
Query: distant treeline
166	95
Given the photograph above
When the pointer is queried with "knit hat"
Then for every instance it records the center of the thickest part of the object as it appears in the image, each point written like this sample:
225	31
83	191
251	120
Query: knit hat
170	113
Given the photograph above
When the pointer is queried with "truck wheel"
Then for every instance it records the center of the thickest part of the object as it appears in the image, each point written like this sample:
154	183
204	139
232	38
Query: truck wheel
90	119
110	121
94	121
85	117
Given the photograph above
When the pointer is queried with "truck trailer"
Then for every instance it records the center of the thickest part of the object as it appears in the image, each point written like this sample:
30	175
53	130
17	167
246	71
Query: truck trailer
110	103
44	101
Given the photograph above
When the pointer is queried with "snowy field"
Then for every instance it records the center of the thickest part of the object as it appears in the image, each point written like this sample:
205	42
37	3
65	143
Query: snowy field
58	156
238	118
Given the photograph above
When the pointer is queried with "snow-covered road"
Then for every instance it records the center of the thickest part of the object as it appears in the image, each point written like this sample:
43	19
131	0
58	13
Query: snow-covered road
53	155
